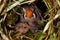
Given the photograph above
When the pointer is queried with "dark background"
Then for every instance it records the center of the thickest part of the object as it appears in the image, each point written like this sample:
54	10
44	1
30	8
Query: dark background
41	5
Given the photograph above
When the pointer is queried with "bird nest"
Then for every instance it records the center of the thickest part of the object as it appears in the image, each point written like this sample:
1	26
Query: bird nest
29	20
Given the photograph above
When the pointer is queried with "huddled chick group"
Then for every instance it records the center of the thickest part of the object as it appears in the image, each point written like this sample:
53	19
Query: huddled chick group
28	21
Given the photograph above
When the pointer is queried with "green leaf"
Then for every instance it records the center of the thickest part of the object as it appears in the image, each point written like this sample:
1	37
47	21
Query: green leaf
53	37
39	36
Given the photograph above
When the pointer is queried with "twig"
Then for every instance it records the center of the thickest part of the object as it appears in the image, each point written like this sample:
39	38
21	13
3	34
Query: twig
2	5
48	24
0	0
18	3
28	37
3	18
4	36
58	2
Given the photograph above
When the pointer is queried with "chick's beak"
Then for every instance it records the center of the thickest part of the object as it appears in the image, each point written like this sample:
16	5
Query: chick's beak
29	13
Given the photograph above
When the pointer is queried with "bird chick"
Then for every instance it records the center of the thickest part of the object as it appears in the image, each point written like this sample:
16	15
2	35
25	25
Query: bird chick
28	20
29	16
22	27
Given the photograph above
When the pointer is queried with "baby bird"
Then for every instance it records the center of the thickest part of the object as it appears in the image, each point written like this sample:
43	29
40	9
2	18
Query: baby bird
30	18
22	27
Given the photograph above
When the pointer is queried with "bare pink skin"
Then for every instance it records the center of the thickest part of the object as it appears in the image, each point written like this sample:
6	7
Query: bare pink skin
22	27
